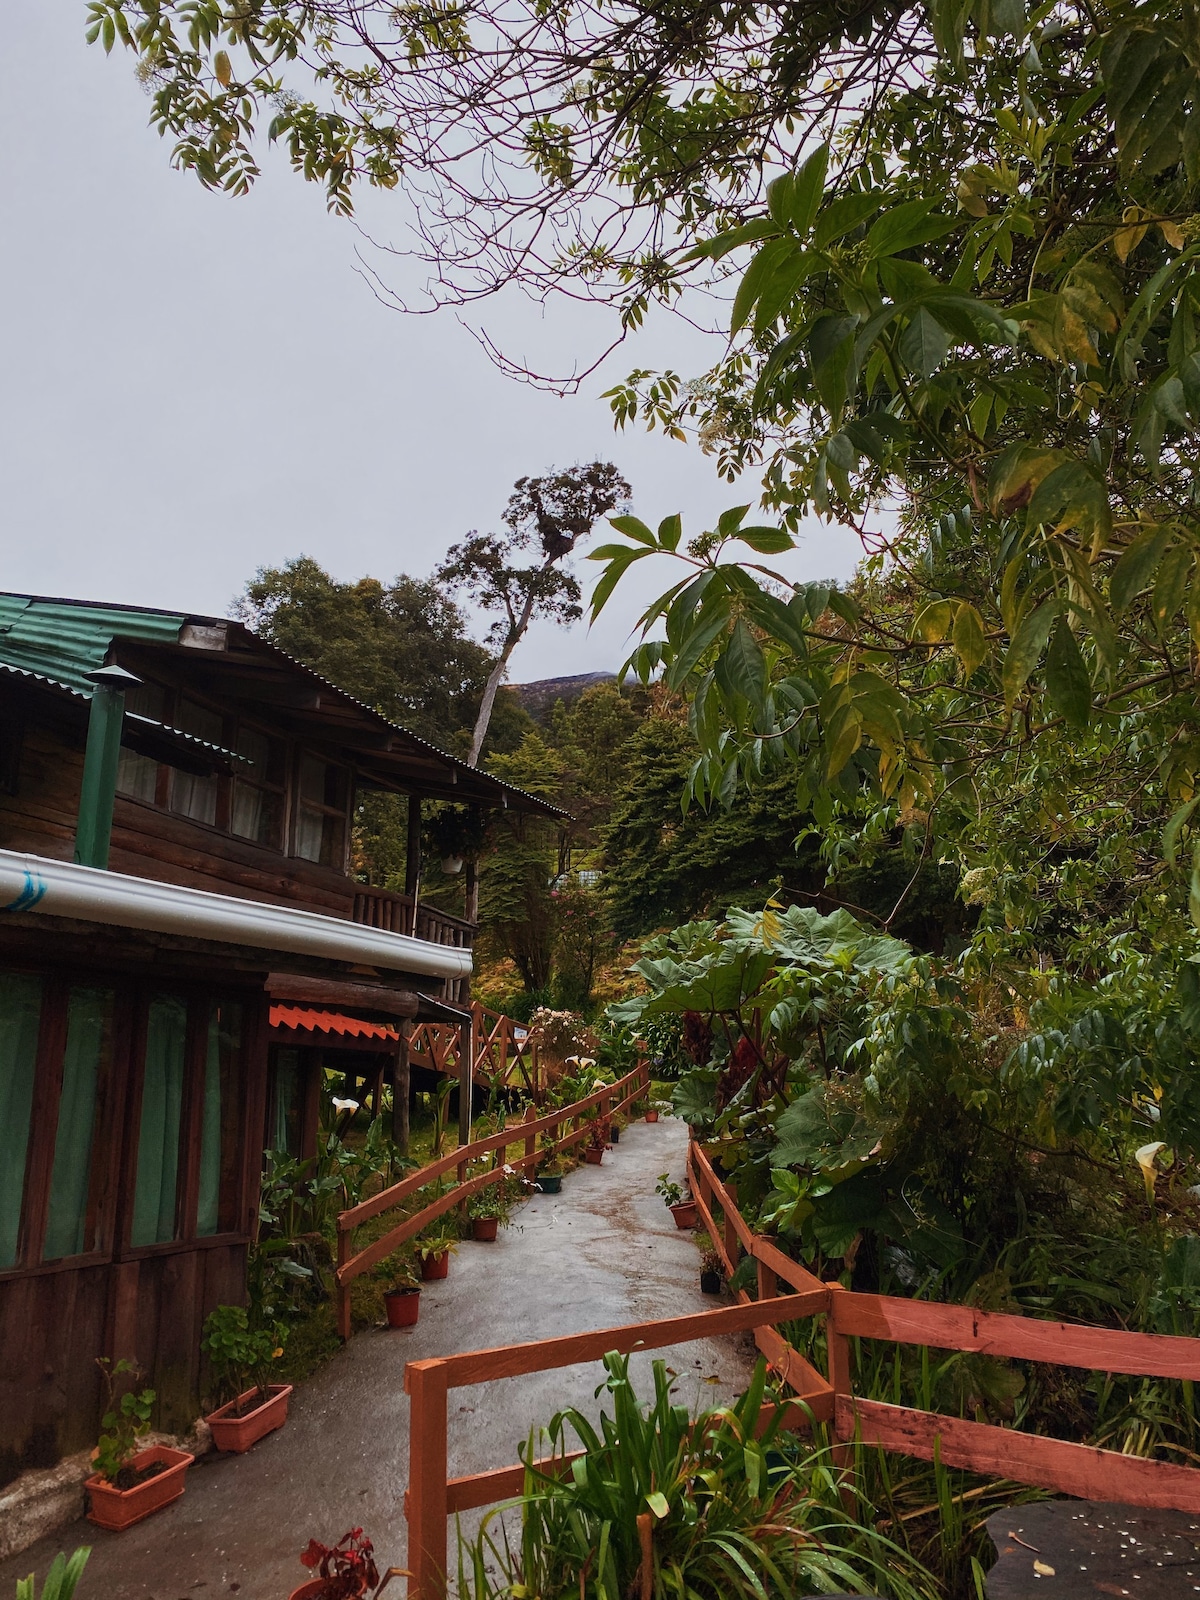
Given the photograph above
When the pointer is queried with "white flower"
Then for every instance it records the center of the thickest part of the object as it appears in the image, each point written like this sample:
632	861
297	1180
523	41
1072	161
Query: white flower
344	1105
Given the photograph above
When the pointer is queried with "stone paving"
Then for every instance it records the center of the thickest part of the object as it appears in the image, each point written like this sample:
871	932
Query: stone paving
604	1252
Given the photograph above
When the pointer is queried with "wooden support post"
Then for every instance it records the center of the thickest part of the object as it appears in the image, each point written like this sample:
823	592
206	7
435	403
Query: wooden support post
768	1283
466	1081
425	1503
412	860
733	1246
343	1289
401	1088
842	1384
530	1142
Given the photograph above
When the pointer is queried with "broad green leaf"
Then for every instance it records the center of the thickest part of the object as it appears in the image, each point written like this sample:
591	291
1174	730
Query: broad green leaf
796	197
1170	586
767	541
924	343
1025	649
670	531
657	1502
844	215
740	667
970	643
632	528
906	226
1068	683
1134	571
934	621
1179	820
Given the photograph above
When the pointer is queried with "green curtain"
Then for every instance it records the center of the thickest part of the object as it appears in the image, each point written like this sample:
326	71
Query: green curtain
89	1037
158	1139
219	1141
286	1130
20	1013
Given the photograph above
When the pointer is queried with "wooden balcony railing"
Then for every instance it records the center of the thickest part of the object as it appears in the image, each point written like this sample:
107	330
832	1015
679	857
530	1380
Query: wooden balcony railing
384	908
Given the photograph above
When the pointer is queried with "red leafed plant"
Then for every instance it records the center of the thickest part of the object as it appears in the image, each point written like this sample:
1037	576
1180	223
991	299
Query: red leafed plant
348	1567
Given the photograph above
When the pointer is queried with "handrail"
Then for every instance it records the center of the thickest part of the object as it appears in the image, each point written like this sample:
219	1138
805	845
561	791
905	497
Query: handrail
350	1266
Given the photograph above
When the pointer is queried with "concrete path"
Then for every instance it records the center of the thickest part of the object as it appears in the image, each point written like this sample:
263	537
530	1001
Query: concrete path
602	1253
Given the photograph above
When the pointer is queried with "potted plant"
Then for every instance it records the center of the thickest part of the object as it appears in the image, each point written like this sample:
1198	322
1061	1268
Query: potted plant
550	1176
489	1211
129	1484
435	1253
614	1129
402	1301
594	1154
684	1211
345	1570
241	1357
711	1272
651	1112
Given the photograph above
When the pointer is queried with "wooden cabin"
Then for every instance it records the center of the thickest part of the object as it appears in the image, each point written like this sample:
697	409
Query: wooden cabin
182	949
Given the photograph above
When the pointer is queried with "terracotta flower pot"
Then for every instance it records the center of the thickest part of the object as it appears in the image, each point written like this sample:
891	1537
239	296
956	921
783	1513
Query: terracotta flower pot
595	1155
550	1183
484	1228
116	1509
314	1589
403	1306
237	1434
435	1266
652	1116
710	1283
684	1214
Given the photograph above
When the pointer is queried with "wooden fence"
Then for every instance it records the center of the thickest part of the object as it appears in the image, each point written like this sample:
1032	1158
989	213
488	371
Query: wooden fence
503	1054
1054	1464
567	1126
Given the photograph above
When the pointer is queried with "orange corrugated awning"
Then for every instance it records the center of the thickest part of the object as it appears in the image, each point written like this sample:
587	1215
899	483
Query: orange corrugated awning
329	1022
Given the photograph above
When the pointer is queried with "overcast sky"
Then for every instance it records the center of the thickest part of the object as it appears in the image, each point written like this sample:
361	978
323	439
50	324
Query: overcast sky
195	386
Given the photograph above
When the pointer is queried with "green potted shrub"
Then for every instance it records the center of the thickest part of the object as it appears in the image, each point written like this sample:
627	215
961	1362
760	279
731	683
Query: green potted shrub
683	1210
128	1483
434	1254
489	1211
550	1175
240	1357
711	1272
402	1301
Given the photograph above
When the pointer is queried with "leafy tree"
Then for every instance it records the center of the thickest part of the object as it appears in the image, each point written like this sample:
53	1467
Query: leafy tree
401	647
546	518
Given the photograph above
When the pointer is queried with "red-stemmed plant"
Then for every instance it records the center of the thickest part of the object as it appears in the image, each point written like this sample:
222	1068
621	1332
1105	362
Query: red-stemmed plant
348	1567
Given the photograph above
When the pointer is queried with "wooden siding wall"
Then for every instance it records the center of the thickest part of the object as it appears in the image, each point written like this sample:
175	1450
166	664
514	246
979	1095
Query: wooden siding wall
54	1324
151	843
146	1304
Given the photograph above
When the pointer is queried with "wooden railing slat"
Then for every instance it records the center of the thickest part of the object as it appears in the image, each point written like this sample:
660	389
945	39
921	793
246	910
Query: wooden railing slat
1076	1469
511	1361
995	1333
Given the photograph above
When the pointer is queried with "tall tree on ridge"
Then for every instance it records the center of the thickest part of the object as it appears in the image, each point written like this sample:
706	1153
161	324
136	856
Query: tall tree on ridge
546	518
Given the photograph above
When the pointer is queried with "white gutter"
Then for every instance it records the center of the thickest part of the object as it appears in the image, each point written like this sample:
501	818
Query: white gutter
63	889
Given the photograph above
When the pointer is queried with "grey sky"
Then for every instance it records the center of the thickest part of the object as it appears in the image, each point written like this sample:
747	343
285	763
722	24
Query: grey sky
195	386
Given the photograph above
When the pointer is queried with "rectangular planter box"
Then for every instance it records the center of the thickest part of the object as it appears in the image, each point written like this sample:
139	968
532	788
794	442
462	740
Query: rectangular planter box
237	1434
115	1509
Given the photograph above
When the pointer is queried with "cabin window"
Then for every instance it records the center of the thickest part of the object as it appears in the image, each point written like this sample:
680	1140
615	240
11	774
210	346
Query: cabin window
321	813
137	776
154	1204
220	1144
86	1056
258	789
20	1015
189	795
284	1132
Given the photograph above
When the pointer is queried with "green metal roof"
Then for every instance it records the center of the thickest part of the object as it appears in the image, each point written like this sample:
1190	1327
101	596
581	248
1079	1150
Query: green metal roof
65	640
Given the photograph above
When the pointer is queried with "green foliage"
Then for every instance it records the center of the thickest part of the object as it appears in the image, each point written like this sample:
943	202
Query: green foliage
670	1193
726	1508
61	1579
239	1353
125	1422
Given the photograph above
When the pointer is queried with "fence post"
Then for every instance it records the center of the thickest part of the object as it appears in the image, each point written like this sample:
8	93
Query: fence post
425	1503
732	1243
530	1140
841	1382
343	1289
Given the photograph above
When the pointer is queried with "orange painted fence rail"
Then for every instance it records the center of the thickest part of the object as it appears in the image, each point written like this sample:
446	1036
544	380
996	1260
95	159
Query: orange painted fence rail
566	1126
1073	1469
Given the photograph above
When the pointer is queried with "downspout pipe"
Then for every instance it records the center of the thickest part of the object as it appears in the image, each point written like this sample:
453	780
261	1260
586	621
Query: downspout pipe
66	889
98	790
